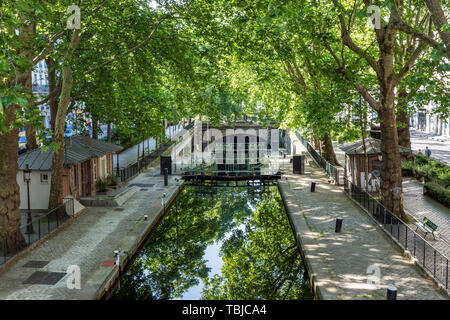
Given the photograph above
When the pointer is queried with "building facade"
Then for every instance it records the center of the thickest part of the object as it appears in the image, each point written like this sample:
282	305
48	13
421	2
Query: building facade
85	161
425	121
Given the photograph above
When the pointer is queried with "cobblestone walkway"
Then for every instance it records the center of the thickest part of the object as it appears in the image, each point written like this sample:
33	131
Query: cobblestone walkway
88	242
340	261
420	206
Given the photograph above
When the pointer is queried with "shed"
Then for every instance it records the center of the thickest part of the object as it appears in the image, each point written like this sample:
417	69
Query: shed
354	162
85	161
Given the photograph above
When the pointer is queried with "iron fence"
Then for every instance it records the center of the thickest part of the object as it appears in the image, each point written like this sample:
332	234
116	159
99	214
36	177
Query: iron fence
16	241
135	168
331	170
433	261
427	256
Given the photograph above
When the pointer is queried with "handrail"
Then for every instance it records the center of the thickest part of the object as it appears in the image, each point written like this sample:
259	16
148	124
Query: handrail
374	208
34	231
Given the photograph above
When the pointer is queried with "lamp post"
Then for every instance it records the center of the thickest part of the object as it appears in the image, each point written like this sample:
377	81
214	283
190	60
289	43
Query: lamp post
27	178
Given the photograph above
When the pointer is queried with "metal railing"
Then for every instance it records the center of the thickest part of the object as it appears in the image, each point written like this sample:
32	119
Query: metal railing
427	256
433	261
26	235
135	168
331	170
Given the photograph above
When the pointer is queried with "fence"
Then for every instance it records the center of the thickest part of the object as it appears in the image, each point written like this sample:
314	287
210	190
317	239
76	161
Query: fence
32	232
135	168
331	170
428	257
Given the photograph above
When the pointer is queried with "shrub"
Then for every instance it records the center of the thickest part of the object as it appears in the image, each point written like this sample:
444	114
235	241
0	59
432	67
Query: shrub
112	180
444	178
420	159
407	168
437	192
428	170
101	184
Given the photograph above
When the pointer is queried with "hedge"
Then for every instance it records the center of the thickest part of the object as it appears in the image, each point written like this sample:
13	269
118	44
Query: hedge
437	192
427	170
435	174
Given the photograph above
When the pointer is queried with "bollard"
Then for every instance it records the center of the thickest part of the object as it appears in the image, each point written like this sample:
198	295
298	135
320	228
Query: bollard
338	225
391	293
166	177
313	186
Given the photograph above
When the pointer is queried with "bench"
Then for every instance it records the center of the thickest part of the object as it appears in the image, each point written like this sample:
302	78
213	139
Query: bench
426	227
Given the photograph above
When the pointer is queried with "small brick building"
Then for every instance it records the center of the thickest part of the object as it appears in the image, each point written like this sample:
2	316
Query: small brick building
354	162
85	161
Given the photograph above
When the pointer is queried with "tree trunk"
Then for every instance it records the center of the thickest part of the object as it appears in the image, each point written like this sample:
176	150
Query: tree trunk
53	101
109	133
30	132
316	143
94	129
404	137
10	216
328	151
9	189
58	154
439	20
391	173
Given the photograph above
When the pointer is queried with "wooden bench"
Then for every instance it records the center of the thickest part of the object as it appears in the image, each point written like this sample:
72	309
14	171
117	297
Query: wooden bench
426	227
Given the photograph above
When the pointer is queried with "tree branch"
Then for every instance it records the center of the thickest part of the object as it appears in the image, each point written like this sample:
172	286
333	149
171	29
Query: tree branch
140	45
359	87
408	65
49	49
403	26
347	40
52	94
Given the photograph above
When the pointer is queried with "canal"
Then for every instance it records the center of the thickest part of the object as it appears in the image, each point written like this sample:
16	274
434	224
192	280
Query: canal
224	242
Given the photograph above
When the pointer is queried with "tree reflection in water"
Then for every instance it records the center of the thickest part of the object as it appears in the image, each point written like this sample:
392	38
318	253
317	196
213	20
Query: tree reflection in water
260	256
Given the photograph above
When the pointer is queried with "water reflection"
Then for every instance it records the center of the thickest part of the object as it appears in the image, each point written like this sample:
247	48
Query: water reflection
219	243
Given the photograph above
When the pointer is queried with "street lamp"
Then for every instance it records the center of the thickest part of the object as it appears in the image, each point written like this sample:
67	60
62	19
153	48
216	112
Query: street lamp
27	178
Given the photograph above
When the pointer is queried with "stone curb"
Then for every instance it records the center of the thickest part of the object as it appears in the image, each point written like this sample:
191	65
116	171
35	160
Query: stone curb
303	252
109	285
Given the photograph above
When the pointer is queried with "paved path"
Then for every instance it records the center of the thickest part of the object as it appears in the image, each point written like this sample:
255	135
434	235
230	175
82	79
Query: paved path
129	156
88	242
340	262
420	206
439	146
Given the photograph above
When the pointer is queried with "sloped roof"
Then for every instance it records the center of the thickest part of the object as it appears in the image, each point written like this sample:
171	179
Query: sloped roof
373	146
77	149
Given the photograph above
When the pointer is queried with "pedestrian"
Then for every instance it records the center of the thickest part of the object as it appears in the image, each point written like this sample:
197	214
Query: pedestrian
420	151
427	152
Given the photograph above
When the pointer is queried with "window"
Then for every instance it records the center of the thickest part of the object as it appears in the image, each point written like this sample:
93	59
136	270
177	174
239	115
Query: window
44	177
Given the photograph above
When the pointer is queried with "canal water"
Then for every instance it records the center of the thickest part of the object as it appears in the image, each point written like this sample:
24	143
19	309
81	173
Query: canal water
219	243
